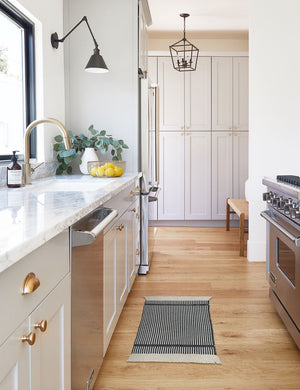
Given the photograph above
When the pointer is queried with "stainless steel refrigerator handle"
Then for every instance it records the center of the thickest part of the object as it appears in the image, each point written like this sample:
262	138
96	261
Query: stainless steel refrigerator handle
80	238
156	134
268	218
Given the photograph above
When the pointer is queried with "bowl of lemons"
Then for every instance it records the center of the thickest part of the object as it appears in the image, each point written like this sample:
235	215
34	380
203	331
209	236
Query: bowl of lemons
106	168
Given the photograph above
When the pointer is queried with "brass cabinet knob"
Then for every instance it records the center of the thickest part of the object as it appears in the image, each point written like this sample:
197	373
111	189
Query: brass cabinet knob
137	252
229	127
132	193
42	326
188	127
235	127
120	228
182	127
235	134
31	283
137	188
133	210
137	216
229	134
30	339
181	133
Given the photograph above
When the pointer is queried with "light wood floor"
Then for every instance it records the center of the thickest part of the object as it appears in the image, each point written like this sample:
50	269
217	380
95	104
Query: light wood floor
252	343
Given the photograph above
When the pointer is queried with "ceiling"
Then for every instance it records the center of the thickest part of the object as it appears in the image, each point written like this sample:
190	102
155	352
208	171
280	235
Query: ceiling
205	16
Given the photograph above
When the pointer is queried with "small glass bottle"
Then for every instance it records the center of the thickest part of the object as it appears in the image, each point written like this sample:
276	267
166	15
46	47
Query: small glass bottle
14	172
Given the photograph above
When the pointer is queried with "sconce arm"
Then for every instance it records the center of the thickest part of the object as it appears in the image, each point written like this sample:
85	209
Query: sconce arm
55	40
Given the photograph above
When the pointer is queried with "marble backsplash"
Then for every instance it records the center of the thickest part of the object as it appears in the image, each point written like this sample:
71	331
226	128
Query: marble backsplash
47	169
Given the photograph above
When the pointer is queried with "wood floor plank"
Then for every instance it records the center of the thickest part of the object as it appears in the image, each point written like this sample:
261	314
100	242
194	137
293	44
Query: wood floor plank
255	349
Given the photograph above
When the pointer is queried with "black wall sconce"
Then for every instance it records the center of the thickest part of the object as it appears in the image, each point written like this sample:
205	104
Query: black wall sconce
96	63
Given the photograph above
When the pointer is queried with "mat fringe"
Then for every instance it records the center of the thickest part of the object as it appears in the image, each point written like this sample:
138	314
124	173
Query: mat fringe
174	358
185	298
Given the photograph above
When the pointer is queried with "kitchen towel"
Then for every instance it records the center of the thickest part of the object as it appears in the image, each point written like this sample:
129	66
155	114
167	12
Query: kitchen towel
175	329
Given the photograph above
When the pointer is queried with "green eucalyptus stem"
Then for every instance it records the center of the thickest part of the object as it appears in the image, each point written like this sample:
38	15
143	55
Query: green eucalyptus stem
99	140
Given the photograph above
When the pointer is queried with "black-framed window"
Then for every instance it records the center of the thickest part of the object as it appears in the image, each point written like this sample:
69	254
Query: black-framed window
17	80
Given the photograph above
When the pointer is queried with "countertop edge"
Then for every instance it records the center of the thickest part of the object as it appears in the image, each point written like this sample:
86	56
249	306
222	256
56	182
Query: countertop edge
14	255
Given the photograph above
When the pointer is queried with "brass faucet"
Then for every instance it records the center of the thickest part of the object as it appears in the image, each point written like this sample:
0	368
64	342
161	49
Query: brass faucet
27	170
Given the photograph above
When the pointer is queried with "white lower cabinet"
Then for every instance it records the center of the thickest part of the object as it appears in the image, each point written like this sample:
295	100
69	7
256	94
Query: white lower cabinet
46	363
229	169
185	176
119	265
49	367
14	361
133	242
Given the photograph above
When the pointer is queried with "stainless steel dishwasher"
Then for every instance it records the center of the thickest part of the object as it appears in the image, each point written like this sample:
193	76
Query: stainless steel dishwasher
87	297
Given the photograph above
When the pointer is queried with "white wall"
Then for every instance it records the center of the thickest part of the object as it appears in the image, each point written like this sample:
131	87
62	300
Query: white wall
108	101
50	94
208	44
274	137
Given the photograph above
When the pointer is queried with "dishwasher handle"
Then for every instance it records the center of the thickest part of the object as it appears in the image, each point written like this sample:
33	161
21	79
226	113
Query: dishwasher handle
80	238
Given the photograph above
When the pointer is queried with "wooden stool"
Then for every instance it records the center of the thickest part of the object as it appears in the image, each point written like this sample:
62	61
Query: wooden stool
239	207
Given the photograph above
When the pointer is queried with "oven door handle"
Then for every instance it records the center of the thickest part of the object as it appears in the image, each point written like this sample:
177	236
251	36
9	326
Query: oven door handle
268	218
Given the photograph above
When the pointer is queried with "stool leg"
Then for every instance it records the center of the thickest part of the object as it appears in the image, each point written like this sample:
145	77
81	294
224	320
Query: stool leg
227	215
242	227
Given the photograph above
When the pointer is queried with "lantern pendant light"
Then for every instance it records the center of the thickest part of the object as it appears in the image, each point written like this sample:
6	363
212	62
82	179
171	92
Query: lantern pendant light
183	53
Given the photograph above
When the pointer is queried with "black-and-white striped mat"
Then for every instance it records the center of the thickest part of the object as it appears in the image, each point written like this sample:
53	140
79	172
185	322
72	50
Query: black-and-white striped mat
175	329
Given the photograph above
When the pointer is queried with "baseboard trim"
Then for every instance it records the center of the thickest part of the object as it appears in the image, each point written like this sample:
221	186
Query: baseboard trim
256	250
194	223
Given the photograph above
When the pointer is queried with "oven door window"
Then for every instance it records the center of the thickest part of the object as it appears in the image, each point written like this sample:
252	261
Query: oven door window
286	260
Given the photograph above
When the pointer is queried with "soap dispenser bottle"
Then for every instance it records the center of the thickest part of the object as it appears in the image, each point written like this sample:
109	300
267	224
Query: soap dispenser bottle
14	172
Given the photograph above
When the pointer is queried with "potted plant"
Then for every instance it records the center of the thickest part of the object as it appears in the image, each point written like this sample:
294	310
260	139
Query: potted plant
99	140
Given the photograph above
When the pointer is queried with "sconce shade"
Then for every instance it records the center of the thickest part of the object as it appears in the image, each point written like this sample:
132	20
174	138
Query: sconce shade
96	63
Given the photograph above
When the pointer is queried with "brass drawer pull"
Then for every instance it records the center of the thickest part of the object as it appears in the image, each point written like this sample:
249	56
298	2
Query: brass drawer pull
137	216
138	188
137	252
30	339
42	326
133	210
31	283
120	228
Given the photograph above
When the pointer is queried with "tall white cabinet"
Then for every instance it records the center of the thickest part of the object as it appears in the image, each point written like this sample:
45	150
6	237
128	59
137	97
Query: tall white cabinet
203	119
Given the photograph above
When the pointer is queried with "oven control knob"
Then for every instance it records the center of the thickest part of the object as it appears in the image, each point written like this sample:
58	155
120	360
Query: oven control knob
289	200
294	212
275	202
266	196
287	208
281	204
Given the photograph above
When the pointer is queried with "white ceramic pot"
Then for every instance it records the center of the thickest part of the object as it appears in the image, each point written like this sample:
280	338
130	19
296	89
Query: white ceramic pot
88	155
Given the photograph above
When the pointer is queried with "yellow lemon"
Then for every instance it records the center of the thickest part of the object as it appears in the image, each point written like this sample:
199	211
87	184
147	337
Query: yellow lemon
110	165
118	172
100	171
93	171
110	172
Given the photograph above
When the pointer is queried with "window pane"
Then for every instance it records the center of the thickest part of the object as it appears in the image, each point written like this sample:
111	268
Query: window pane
11	86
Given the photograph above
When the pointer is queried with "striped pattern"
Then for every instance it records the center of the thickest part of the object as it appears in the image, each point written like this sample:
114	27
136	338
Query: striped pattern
175	329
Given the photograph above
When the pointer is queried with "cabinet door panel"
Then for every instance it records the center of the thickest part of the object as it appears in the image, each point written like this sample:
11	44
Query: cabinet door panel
221	93
240	164
121	260
198	175
130	222
50	357
240	93
109	287
171	95
171	196
14	361
198	96
221	173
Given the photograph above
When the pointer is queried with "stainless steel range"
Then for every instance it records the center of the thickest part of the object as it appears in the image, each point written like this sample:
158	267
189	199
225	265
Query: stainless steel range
283	271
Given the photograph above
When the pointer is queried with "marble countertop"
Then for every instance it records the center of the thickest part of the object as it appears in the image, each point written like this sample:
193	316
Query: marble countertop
32	215
288	189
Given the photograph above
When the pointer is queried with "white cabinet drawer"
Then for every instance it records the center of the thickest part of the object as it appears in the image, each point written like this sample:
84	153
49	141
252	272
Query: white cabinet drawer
49	263
123	200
